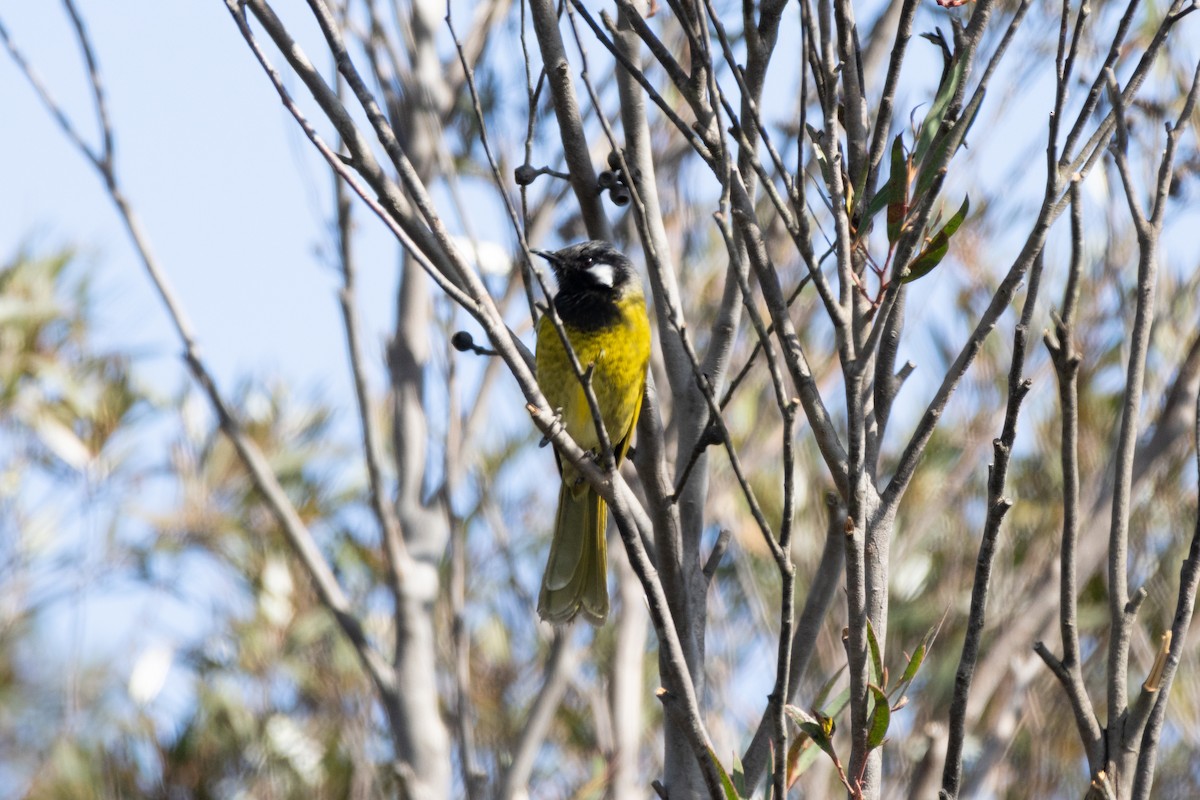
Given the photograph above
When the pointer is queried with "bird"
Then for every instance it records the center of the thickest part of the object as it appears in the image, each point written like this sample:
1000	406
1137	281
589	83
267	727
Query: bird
602	308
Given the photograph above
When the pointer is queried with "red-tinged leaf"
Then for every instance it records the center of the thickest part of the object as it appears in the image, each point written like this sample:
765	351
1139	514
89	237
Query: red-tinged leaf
795	749
897	187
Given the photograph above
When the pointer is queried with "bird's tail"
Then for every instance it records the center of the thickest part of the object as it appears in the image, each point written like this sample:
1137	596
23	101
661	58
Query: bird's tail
576	578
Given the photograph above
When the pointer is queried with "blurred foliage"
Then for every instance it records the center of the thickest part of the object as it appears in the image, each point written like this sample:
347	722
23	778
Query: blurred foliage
109	490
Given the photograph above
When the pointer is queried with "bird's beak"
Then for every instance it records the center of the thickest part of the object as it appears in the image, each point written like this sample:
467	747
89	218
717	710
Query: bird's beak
546	254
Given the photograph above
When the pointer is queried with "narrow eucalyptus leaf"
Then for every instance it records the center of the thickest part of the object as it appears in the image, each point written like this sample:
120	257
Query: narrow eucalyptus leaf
897	208
876	655
881	718
726	783
937	247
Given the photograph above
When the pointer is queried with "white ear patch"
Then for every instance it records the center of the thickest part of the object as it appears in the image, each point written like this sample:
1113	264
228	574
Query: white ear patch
602	273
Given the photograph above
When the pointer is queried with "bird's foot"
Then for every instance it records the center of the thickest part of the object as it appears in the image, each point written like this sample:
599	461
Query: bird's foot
545	440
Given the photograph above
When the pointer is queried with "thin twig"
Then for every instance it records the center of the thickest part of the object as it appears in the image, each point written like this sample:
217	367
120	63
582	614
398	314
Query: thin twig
1189	578
385	514
1066	366
556	676
1121	620
570	126
998	506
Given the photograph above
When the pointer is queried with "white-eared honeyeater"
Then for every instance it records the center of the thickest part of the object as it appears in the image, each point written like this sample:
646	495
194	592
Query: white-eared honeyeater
603	312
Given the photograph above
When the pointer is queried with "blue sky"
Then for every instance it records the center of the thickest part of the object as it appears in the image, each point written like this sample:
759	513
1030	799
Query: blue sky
232	196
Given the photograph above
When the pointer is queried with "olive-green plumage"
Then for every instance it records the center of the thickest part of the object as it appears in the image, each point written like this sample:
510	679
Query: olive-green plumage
603	311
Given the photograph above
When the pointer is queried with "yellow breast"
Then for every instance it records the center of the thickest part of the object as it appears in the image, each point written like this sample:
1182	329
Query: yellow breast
620	354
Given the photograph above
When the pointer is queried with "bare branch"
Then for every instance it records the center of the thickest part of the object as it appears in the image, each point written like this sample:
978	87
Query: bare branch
1189	578
821	590
887	99
627	686
389	526
556	677
1066	366
998	505
1081	706
566	110
1121	621
100	157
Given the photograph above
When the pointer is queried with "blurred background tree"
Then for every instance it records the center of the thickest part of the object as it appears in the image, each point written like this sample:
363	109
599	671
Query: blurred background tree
416	508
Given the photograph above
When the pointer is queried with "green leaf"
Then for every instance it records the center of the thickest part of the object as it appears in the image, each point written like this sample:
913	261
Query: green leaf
819	728
937	247
945	141
932	124
914	664
881	199
876	656
726	783
826	687
798	715
819	153
815	732
881	717
894	192
739	775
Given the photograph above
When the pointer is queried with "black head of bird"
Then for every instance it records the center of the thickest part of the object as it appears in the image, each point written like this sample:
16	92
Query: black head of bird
592	276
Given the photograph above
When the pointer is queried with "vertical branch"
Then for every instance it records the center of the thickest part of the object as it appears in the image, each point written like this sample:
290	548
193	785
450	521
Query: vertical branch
458	432
887	99
638	156
781	551
826	579
854	102
998	505
1126	761
556	676
473	777
1157	691
1120	606
1066	362
392	540
787	588
682	573
570	125
627	687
